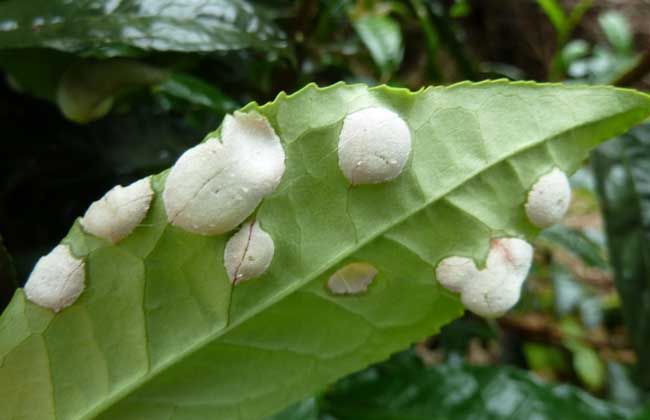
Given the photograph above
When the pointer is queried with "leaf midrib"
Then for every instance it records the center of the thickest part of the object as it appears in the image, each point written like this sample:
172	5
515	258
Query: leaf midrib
109	402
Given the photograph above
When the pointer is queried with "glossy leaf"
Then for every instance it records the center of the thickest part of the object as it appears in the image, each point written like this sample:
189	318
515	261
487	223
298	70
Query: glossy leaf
404	389
197	92
622	170
119	28
159	331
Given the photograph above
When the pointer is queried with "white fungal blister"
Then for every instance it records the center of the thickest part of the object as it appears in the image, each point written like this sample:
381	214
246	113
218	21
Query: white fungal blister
352	279
215	186
374	146
57	279
248	253
495	289
119	211
549	199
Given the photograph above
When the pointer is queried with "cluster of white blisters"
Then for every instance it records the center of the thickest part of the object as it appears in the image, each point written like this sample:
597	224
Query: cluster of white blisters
352	279
374	145
215	186
495	289
119	211
212	188
57	279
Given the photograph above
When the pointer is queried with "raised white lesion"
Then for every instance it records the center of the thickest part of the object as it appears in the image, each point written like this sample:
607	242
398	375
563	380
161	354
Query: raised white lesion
374	146
248	254
216	185
119	211
352	279
492	291
549	198
57	279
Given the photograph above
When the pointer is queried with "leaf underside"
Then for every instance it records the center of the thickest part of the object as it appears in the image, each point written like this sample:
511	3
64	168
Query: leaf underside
156	333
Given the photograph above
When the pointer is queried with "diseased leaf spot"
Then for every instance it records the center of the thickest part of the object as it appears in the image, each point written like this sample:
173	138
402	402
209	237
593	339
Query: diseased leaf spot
119	211
57	279
352	279
215	186
248	253
549	199
374	146
495	289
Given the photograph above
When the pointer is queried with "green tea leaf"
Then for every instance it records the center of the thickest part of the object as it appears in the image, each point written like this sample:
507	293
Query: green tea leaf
160	332
555	14
108	29
197	92
622	170
88	88
383	38
617	30
587	364
404	389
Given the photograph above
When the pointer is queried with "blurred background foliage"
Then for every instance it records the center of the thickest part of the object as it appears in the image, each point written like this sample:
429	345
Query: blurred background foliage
96	93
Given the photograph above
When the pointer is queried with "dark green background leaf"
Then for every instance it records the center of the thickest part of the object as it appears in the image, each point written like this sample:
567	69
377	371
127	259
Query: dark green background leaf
622	168
126	27
403	389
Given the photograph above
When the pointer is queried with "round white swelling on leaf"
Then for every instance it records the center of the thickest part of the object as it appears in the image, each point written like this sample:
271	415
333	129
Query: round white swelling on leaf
455	272
57	279
549	199
495	289
374	146
352	279
215	186
248	253
119	211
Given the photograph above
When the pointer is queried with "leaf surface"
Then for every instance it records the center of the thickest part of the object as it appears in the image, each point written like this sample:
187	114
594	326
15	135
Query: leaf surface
160	333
